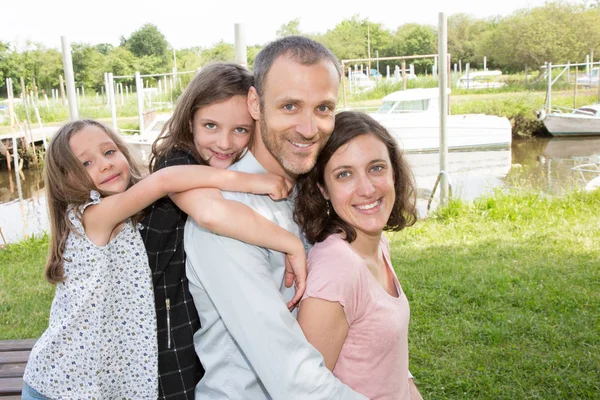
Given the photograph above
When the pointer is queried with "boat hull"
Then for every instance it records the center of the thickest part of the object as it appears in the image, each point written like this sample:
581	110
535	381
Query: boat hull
420	132
572	125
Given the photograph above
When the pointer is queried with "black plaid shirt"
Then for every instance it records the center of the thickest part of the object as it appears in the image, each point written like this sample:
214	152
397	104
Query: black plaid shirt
179	369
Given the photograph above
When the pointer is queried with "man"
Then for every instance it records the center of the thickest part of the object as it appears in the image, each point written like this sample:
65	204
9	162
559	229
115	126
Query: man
250	344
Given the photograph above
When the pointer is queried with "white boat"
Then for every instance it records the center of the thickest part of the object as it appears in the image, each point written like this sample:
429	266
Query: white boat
584	121
412	116
142	143
480	80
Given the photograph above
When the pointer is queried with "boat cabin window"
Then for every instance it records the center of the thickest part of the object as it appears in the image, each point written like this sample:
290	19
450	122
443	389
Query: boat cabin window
585	111
400	107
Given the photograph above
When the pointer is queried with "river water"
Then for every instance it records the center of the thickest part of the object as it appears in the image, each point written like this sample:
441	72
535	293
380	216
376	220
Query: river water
536	164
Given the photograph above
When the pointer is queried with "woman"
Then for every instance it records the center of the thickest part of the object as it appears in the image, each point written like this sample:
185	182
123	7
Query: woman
354	310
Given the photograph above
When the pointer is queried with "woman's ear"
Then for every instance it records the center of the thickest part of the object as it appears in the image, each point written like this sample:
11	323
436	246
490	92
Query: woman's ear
323	191
253	103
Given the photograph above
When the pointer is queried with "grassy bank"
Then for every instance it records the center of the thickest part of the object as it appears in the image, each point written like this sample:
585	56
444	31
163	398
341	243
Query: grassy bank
504	295
505	298
25	296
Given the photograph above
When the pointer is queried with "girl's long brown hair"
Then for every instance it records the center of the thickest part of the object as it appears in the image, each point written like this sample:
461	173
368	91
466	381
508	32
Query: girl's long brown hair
213	84
67	183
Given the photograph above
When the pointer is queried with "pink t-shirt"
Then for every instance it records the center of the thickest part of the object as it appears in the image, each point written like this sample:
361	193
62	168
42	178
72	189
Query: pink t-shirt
374	358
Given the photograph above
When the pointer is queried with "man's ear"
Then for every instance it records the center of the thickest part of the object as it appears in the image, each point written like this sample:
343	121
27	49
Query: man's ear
323	191
253	103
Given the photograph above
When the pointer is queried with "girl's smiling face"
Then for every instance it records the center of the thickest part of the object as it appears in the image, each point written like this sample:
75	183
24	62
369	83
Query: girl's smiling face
222	131
102	159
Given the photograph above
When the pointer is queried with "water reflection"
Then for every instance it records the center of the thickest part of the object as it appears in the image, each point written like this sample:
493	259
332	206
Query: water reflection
22	205
536	164
547	164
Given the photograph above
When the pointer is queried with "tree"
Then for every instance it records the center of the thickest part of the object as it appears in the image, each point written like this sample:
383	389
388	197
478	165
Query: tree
548	33
221	51
148	41
88	65
415	39
104	48
121	61
290	29
347	40
464	32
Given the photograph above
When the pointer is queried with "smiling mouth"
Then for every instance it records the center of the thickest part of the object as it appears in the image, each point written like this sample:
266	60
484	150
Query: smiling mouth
222	156
370	206
302	146
110	179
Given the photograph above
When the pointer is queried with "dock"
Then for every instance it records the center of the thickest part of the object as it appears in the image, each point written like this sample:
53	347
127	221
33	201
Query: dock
13	358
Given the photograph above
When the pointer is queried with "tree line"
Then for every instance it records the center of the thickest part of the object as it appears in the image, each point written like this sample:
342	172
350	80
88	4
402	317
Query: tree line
559	32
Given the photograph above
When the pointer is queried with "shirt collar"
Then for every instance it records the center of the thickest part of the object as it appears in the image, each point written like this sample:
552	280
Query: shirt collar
249	164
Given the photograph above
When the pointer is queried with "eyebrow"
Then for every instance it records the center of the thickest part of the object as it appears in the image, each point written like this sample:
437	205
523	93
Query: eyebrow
350	166
106	143
211	121
286	100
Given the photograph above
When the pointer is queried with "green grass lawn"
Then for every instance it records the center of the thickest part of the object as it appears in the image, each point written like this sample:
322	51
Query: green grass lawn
505	298
504	295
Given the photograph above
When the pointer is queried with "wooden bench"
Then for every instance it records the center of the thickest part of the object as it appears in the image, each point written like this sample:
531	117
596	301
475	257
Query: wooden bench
13	357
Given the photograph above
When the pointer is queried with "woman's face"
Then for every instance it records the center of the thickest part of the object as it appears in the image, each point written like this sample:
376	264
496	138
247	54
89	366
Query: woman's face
222	131
359	182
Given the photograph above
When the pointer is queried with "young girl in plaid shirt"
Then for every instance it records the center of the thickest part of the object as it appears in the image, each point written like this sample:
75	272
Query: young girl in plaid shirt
210	126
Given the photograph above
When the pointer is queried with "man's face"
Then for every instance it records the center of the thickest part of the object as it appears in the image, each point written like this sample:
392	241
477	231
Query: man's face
297	113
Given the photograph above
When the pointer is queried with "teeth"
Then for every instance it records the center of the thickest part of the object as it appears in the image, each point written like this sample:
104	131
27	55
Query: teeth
369	206
303	145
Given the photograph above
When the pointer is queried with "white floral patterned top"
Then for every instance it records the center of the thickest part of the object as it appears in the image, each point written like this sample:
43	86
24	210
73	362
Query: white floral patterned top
101	339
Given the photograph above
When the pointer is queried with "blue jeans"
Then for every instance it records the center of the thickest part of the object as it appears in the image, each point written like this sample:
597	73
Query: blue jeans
30	393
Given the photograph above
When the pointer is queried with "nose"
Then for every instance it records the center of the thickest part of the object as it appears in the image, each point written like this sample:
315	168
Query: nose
224	141
365	186
307	126
105	164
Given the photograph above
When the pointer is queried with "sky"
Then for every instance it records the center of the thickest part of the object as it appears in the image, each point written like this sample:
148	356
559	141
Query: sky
203	23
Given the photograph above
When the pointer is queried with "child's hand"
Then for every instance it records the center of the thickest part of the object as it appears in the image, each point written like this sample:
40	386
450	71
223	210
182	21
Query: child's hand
295	272
275	186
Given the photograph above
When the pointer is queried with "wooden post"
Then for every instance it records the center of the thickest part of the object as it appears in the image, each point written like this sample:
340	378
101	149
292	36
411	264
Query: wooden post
15	153
443	86
11	110
343	86
37	115
70	78
597	82
139	91
403	74
240	50
575	94
113	106
449	83
62	88
35	91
